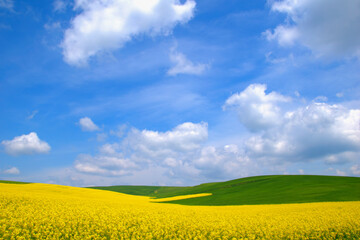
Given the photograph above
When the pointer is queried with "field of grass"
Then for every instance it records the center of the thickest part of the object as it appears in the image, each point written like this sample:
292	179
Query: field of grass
12	182
45	211
258	190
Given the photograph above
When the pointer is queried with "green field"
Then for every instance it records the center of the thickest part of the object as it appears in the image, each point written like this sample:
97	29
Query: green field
258	190
12	182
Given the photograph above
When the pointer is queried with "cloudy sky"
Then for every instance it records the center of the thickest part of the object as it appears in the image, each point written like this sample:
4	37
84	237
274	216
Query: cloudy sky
178	92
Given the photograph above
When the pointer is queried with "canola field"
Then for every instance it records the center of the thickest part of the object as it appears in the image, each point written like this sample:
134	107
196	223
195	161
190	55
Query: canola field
43	211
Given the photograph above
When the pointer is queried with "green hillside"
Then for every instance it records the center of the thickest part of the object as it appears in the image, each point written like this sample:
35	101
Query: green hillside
258	190
12	182
141	190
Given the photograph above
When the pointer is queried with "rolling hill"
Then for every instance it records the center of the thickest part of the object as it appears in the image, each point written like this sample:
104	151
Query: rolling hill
272	189
12	182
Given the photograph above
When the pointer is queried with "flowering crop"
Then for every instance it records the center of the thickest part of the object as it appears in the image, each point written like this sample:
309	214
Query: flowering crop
180	197
42	211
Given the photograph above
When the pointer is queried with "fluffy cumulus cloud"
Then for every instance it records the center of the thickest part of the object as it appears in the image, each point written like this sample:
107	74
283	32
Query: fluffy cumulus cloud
105	164
315	131
328	27
182	65
281	133
88	125
257	110
12	171
223	162
185	137
106	25
285	36
182	152
144	148
25	145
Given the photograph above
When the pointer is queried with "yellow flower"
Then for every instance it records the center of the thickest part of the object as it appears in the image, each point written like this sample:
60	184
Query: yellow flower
43	211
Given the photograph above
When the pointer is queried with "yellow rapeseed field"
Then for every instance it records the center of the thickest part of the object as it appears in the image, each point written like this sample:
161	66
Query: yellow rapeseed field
42	211
180	197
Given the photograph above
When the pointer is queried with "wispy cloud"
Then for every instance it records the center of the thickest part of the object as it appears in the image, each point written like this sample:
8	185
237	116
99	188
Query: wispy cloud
4	26
12	171
60	5
182	65
52	26
32	115
157	101
88	125
8	4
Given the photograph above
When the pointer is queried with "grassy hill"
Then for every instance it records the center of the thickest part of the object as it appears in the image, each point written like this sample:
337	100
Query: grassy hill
12	182
258	190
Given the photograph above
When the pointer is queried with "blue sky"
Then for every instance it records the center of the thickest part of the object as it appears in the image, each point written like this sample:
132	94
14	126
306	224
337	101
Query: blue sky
160	92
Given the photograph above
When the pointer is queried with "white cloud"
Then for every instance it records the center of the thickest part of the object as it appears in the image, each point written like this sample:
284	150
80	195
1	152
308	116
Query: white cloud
9	4
144	148
109	149
355	170
171	162
106	25
159	101
182	65
4	26
52	26
340	173
280	136
88	125
343	157
320	99
110	165
120	131
256	109
223	163
32	115
59	5
340	94
26	144
181	152
72	177
327	27
100	137
12	171
269	58
185	137
286	36
317	130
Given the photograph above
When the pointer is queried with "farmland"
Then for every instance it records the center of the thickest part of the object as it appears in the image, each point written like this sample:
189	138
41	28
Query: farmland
272	189
44	211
